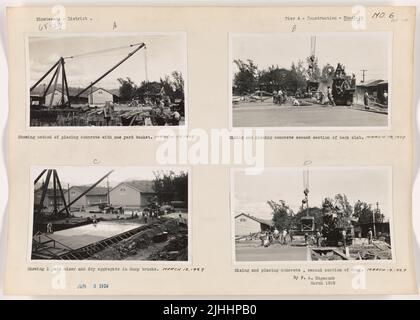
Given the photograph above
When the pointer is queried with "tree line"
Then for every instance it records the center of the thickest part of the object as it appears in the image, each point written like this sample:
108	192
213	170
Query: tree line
249	78
362	212
172	86
170	186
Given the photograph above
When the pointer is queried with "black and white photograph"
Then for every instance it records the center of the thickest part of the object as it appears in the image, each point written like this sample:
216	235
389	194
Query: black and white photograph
324	80
107	80
100	213
312	214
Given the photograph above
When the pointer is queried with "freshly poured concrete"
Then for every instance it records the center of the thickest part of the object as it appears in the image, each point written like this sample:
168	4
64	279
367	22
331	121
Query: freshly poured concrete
78	237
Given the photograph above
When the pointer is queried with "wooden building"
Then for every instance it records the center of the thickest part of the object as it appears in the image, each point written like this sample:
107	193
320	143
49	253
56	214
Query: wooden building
135	194
246	224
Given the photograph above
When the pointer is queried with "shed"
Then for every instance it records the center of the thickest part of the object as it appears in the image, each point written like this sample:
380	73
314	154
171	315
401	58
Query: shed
246	224
377	90
100	96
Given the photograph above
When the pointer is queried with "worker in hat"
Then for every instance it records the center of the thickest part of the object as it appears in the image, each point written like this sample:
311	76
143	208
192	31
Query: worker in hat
330	96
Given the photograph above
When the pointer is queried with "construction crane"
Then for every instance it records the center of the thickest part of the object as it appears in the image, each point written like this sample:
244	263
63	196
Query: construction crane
307	222
312	57
312	83
59	74
58	193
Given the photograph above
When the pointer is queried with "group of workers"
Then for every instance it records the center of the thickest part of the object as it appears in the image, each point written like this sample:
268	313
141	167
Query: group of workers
285	237
269	237
162	116
279	96
161	113
313	239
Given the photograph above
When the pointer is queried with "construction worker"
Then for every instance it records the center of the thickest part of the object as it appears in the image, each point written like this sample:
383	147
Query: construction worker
366	100
49	228
344	236
320	97
353	80
276	234
267	240
270	237
330	96
385	97
370	236
148	122
176	117
274	96
318	238
262	238
284	236
279	96
179	219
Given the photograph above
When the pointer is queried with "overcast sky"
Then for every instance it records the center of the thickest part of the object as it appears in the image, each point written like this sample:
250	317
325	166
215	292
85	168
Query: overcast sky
356	50
251	192
165	53
89	175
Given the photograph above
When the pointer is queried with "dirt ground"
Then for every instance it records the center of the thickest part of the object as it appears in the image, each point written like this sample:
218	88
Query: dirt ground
252	250
378	250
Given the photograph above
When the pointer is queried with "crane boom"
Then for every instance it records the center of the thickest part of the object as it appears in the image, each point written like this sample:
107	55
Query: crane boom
45	75
141	45
86	191
313	45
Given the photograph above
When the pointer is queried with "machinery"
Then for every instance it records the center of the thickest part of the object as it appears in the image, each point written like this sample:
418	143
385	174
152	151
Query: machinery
335	227
343	87
307	223
60	207
335	237
336	230
312	84
47	109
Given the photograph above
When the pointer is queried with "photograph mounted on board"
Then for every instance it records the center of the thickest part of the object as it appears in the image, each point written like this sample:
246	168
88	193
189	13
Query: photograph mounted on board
320	80
99	213
312	214
107	80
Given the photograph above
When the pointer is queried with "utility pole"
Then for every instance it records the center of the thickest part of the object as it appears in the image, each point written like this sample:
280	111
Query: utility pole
107	186
306	190
145	65
363	75
374	226
68	195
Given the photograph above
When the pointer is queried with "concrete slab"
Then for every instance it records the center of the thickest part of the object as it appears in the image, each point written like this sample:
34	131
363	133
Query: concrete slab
78	237
266	115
